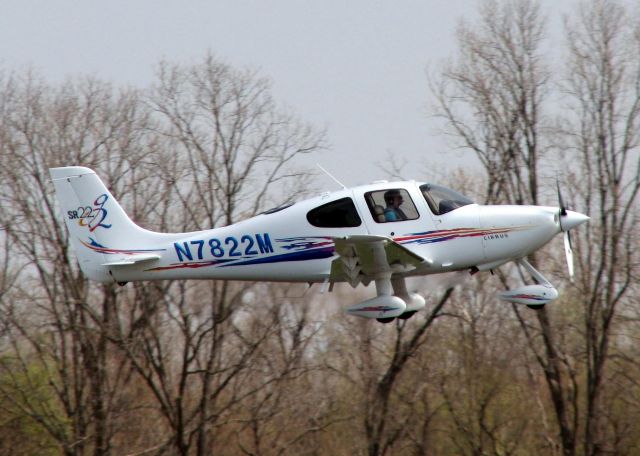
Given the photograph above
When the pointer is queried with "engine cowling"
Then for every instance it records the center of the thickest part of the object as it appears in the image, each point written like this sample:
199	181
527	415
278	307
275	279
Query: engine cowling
378	307
530	295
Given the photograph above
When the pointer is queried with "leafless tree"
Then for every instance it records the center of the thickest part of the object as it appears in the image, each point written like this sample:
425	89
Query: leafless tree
602	133
491	100
490	97
208	146
234	144
485	347
54	321
232	150
372	364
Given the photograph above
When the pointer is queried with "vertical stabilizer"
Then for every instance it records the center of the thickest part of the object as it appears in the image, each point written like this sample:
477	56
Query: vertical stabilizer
99	229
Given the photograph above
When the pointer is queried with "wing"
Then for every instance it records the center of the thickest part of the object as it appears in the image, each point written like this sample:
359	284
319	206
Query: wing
363	257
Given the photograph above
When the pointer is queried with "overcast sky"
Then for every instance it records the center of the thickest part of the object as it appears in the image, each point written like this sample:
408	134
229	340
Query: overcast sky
356	67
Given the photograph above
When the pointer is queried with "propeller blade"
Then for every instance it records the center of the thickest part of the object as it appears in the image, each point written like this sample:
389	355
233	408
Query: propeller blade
563	208
569	253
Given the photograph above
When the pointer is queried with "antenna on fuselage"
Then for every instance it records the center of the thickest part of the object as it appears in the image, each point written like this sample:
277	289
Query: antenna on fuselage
331	176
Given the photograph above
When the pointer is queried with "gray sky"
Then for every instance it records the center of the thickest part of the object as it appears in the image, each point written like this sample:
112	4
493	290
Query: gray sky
356	67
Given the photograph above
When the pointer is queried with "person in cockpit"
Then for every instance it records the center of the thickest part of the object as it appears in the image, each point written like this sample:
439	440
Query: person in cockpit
393	199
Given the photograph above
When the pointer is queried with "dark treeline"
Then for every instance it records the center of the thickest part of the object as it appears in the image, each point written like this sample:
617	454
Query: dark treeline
199	368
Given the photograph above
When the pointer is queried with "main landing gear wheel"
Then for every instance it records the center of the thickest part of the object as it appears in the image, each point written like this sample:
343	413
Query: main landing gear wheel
407	315
535	306
386	320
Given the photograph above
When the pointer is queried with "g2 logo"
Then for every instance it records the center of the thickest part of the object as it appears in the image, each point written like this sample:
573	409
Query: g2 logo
92	217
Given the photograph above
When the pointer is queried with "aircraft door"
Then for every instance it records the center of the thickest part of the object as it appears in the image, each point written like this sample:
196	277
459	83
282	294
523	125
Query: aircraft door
393	211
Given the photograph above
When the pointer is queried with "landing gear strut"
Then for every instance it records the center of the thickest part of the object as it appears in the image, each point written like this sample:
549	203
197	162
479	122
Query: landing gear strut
392	300
533	296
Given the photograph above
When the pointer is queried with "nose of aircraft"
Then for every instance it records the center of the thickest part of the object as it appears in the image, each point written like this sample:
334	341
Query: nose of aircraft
572	219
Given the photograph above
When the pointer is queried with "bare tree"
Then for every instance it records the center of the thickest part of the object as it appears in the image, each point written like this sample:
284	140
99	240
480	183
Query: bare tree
486	346
236	146
602	131
372	364
285	414
490	98
208	146
54	321
492	101
231	150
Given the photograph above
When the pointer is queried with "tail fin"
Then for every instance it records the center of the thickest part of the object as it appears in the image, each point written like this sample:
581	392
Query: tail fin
100	231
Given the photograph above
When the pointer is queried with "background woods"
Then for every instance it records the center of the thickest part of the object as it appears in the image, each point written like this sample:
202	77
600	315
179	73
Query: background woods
196	368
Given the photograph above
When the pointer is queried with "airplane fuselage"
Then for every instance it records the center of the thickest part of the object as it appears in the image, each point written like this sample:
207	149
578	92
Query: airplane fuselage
285	246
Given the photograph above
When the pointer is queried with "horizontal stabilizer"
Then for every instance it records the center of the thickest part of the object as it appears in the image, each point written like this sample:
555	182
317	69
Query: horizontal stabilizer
133	259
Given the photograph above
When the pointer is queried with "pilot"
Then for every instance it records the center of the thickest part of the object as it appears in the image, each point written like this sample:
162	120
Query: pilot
393	199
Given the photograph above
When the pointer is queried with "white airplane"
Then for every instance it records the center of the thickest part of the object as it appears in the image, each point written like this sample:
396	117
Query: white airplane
383	233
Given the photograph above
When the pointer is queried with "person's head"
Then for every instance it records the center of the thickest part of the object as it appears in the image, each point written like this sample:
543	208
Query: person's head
393	198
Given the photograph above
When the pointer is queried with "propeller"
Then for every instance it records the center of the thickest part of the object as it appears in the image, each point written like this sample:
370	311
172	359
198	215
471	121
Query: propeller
562	213
568	251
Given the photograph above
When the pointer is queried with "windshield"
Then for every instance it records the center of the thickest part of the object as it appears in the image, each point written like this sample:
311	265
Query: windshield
442	200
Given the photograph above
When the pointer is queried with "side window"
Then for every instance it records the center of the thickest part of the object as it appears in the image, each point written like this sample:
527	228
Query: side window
391	205
341	213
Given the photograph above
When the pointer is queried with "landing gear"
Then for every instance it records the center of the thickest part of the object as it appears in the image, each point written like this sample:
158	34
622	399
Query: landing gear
532	296
413	301
392	300
122	284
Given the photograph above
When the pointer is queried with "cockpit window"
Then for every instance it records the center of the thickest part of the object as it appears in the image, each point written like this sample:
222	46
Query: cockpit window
442	200
341	213
391	205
